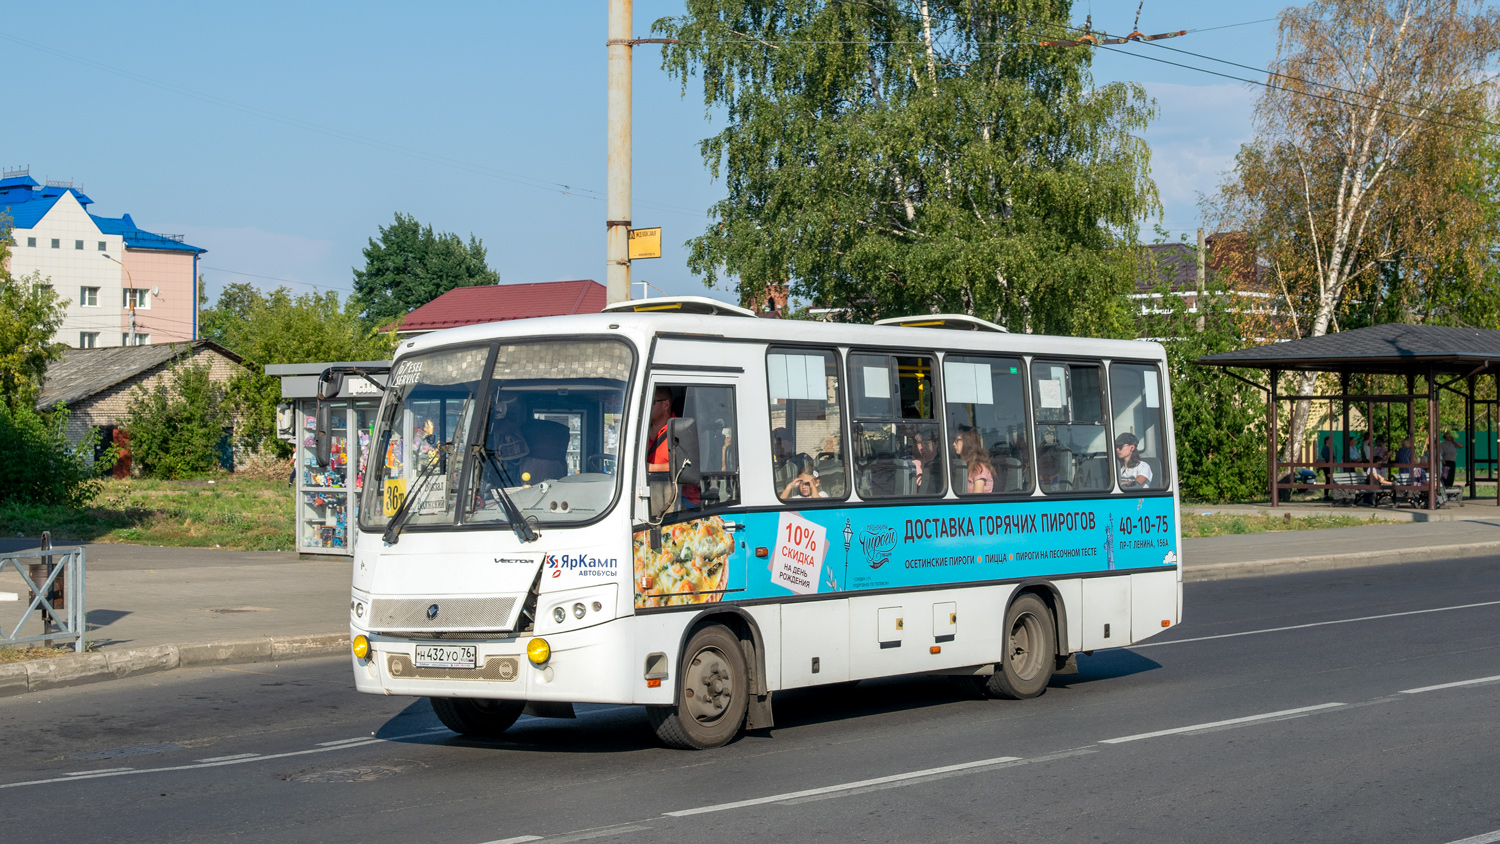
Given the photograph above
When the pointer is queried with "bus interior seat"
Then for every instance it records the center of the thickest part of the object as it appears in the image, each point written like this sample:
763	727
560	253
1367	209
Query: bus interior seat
1009	471
1157	479
548	442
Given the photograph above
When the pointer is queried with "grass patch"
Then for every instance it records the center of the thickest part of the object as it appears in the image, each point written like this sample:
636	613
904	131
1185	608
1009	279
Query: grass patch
226	511
8	655
1226	524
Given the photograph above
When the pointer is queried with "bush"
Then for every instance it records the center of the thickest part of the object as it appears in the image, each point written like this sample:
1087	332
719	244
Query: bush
177	426
39	465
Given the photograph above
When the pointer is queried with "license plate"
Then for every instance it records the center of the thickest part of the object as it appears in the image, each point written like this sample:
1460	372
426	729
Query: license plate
445	656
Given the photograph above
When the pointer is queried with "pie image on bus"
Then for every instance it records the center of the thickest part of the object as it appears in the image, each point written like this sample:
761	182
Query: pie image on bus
677	505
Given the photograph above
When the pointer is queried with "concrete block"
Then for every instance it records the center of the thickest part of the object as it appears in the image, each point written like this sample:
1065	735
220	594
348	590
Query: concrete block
13	679
71	670
224	652
296	647
142	660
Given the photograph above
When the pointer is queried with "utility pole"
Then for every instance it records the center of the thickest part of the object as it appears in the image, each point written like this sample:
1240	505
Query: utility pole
1202	278
617	203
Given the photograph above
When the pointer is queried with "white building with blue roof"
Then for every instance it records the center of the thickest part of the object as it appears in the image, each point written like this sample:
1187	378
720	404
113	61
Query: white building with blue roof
123	285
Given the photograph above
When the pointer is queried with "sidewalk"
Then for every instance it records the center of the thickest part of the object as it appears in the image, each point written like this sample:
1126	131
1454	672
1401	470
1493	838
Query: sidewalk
156	609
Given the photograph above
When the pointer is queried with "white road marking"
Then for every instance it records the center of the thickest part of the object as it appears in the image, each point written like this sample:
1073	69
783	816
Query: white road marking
1312	624
1245	720
1050	757
595	833
1483	838
233	760
519	839
828	789
227	758
1474	682
342	741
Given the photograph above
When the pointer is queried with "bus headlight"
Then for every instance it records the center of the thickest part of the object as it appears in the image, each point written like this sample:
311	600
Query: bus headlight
579	610
559	615
538	651
361	647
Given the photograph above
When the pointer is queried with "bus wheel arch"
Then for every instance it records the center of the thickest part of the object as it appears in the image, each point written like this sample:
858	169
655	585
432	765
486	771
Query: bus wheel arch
1049	594
711	689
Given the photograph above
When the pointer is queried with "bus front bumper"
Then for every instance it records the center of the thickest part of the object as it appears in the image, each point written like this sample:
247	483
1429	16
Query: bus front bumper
591	665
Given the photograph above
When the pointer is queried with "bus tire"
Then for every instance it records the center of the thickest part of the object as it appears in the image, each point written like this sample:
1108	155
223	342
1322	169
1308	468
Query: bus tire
712	690
1030	651
476	717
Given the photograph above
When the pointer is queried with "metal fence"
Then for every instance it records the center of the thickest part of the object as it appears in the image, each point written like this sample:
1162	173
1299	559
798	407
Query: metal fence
53	583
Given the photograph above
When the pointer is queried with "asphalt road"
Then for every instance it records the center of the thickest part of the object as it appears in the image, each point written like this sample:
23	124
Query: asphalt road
1292	708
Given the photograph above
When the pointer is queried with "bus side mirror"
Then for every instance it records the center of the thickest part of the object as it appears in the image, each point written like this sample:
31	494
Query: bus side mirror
321	439
682	448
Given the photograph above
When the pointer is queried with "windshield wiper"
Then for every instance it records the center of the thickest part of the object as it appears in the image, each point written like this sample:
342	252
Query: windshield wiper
398	518
524	531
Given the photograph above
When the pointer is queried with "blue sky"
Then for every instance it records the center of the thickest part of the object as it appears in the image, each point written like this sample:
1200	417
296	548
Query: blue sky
280	135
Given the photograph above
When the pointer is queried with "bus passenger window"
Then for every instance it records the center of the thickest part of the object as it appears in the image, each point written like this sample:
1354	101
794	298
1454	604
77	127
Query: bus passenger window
1072	449
896	445
1135	397
807	449
989	448
712	478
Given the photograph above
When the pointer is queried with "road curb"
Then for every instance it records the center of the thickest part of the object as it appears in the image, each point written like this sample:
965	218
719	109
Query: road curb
1333	562
80	669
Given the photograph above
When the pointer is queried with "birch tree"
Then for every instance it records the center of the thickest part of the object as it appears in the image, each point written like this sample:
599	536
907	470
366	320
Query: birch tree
1358	148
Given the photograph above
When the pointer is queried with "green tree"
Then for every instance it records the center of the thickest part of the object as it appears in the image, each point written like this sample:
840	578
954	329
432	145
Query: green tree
30	313
40	465
411	265
281	328
906	157
176	425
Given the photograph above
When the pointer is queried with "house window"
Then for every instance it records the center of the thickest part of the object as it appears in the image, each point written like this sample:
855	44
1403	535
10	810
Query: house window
31	241
140	339
77	244
88	339
88	297
56	243
102	245
139	297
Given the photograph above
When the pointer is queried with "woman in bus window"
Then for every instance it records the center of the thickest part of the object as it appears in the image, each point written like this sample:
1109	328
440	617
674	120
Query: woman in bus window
1134	474
981	472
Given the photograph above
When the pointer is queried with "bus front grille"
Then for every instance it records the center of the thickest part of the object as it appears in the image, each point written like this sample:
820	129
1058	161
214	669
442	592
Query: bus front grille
427	615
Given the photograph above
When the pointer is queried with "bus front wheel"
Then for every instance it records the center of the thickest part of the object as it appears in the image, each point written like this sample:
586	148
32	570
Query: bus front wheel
1030	648
712	693
475	717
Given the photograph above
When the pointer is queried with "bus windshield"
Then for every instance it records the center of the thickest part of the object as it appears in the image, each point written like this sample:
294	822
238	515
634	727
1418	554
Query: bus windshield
542	428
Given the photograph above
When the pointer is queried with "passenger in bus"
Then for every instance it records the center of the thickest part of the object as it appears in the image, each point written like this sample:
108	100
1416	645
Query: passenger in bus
805	485
658	450
980	472
927	468
1134	474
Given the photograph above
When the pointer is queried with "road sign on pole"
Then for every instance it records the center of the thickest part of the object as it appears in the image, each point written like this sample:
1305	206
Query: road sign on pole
645	243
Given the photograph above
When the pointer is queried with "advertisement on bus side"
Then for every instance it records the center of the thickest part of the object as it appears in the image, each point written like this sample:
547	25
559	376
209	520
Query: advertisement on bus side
742	556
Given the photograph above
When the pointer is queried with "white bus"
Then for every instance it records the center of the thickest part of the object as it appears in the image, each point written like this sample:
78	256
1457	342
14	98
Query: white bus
678	505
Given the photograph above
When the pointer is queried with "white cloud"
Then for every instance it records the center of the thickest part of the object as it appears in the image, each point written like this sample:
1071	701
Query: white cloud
1193	142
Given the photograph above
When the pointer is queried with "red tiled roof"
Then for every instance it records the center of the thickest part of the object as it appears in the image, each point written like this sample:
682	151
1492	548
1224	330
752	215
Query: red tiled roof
496	303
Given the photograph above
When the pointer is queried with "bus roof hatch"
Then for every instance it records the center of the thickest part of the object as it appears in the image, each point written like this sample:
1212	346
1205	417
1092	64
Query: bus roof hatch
953	322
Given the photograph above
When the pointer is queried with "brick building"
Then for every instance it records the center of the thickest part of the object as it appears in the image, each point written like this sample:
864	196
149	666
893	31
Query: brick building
97	385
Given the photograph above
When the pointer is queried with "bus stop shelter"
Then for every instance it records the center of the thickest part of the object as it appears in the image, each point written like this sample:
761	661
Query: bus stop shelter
1444	358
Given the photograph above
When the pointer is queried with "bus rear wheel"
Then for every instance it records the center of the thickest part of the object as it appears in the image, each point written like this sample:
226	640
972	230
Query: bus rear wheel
1030	647
476	717
712	693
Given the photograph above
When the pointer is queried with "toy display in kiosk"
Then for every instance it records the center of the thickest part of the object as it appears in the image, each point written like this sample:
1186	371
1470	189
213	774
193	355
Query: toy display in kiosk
327	522
314	475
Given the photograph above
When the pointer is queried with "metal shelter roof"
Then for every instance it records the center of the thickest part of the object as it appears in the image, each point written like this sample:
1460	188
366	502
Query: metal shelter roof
1393	348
